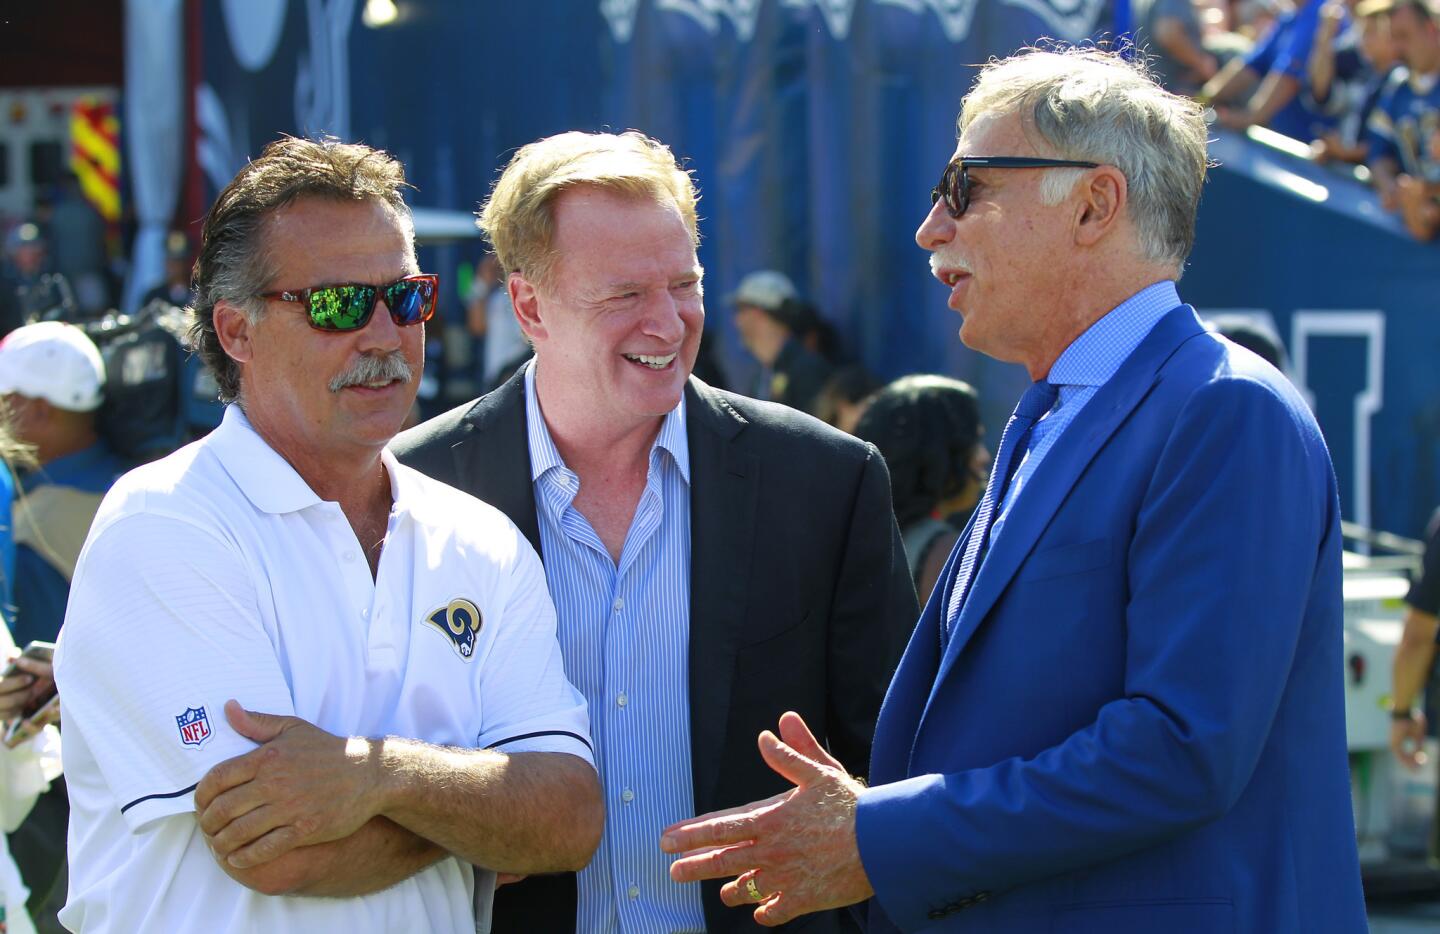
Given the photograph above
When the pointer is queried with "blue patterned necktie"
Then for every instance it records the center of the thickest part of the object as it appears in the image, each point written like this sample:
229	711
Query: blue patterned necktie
1038	400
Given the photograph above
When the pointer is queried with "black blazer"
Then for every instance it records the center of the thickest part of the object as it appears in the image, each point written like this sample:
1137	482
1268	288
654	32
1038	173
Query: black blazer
800	597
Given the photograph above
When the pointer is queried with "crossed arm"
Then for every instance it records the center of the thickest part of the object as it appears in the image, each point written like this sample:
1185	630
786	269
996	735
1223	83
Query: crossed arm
305	812
309	813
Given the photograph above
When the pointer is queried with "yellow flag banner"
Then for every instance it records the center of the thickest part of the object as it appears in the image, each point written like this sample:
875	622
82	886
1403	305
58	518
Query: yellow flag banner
95	154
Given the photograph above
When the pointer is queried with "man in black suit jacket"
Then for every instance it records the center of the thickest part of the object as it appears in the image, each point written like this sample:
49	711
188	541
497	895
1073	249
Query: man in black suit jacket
798	593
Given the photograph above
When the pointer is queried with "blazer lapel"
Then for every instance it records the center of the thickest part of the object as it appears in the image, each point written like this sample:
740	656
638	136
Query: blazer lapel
1060	470
492	458
724	489
895	729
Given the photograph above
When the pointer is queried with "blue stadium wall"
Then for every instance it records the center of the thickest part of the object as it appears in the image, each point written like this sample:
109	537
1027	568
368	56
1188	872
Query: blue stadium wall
815	130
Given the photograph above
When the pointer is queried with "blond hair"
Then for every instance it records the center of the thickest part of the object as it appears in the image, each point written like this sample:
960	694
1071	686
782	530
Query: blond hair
519	220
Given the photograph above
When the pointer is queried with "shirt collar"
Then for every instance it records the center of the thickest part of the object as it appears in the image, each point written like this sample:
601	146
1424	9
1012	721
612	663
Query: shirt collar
272	485
544	456
407	494
266	478
1094	356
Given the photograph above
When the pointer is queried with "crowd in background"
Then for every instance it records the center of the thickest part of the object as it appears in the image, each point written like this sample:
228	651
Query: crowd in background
1358	80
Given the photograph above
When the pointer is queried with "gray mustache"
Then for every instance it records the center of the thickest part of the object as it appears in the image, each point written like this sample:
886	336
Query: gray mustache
373	368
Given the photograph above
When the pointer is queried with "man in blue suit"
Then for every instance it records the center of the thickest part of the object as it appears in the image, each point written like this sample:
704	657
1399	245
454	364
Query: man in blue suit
1121	710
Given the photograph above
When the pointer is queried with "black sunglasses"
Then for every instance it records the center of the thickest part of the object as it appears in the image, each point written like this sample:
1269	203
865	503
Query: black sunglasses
348	307
954	184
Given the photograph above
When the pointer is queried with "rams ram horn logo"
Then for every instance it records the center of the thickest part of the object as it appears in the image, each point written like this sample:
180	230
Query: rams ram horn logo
459	621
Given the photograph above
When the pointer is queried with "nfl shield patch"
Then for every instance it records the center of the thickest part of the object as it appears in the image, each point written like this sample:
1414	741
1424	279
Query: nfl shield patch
194	726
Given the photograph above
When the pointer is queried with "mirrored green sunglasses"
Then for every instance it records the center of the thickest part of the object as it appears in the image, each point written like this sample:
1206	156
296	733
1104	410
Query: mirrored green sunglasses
348	307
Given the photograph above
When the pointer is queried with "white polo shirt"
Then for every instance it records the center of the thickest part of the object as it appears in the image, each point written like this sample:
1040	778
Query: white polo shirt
217	573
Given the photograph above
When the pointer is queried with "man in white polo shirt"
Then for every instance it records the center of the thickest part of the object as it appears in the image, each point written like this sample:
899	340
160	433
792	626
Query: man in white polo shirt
386	640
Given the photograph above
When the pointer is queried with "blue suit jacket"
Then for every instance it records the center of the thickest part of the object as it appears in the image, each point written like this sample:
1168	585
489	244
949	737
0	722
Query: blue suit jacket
1138	724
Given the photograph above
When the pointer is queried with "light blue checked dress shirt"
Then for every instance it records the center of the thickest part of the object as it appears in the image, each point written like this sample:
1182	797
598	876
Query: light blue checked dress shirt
1085	366
625	634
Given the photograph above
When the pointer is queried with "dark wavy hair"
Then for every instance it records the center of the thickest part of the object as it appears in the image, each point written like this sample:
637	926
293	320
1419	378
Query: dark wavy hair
234	265
926	427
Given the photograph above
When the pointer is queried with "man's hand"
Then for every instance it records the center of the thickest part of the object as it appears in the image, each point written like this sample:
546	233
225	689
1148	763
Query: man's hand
1407	740
301	787
26	688
1326	148
1332	14
797	850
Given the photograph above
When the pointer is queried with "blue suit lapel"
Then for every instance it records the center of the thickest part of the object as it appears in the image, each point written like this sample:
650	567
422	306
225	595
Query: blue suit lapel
895	729
1060	470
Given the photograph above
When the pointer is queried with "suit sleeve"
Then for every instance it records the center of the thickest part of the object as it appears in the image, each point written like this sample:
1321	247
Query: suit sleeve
1228	537
873	612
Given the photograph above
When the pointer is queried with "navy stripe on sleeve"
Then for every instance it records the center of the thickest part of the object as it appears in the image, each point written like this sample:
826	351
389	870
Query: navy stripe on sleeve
169	794
516	739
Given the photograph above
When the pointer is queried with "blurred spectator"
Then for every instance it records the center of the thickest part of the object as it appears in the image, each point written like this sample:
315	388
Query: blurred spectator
929	431
492	324
818	335
25	772
1171	35
1414	663
1228	26
77	246
23	265
1404	149
1250	19
13	457
845	397
1263	87
175	290
52	380
707	368
1348	72
772	321
1257	342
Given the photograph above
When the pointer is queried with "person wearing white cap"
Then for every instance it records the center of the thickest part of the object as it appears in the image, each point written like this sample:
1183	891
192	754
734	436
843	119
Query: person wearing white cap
52	380
772	320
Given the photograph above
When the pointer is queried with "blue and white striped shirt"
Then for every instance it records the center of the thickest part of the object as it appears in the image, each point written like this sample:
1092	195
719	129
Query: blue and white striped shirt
1085	366
625	634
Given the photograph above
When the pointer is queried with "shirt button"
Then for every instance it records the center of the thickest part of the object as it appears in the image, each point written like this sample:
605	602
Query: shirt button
634	891
618	605
365	613
623	699
627	796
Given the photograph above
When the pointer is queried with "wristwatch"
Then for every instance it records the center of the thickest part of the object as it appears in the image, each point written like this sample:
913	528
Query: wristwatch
1402	713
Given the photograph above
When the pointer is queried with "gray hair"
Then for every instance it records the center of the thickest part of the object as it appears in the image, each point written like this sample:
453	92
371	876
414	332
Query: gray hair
234	264
1095	106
